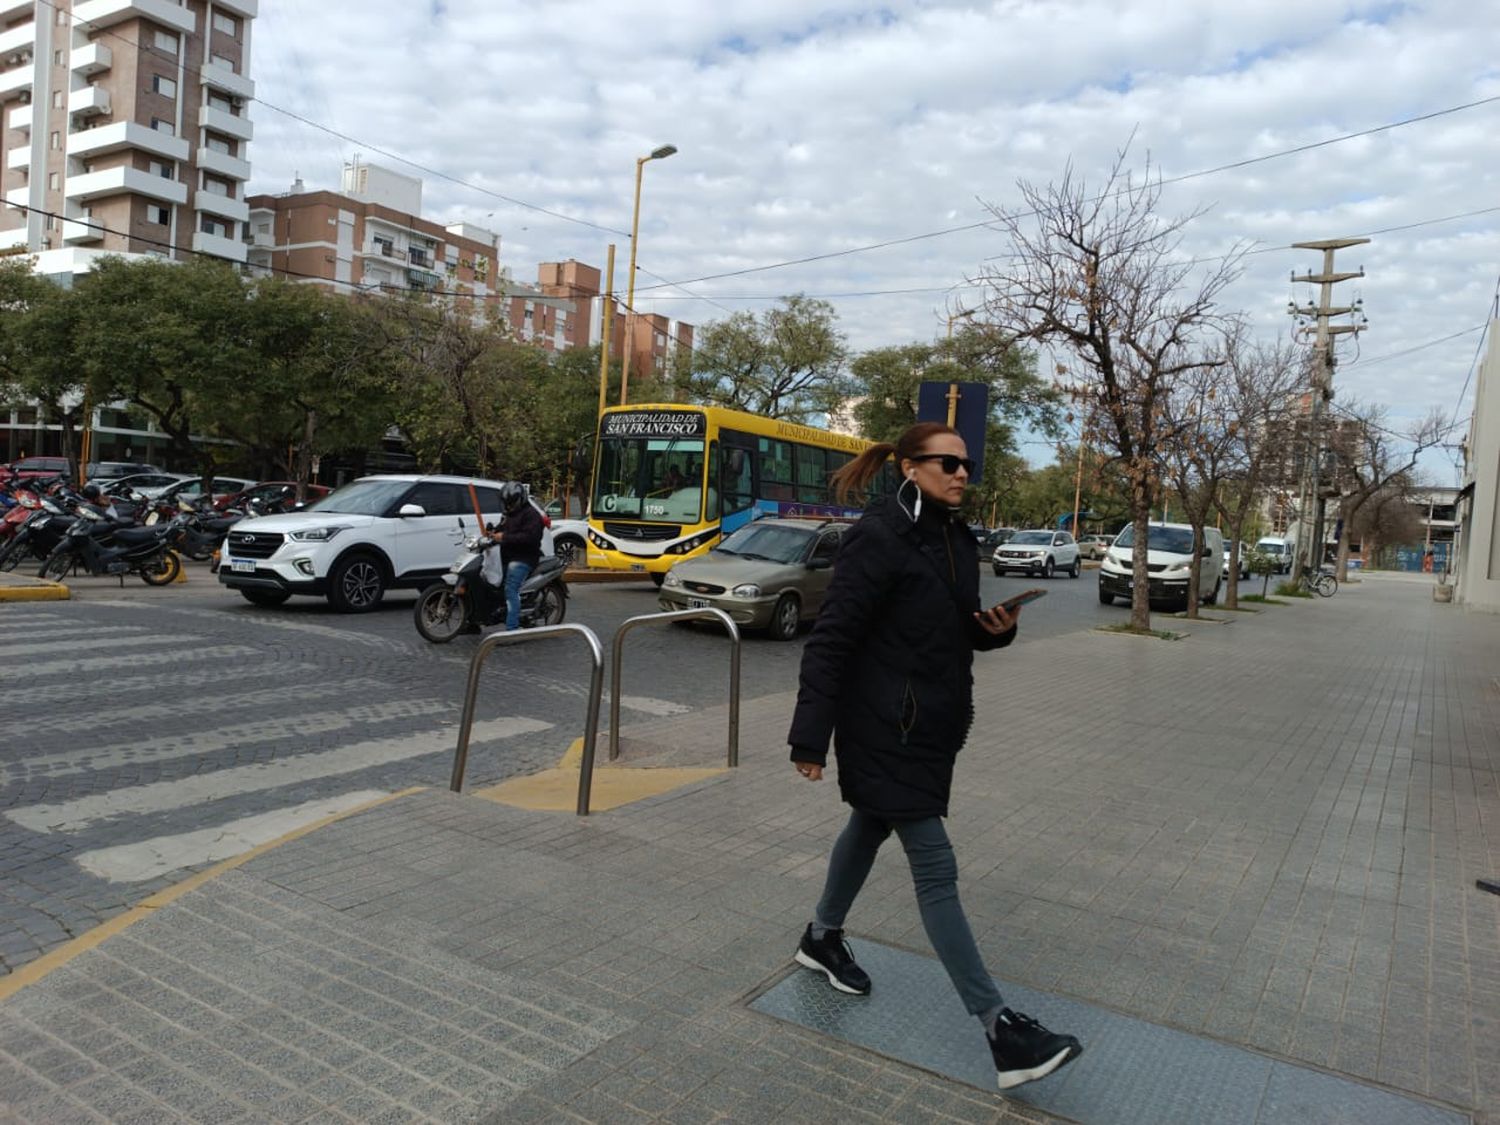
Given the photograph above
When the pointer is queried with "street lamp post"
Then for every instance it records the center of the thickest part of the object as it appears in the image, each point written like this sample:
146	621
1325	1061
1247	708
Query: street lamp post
635	225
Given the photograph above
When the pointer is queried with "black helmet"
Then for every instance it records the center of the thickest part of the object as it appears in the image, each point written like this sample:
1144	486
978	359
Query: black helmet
91	492
512	496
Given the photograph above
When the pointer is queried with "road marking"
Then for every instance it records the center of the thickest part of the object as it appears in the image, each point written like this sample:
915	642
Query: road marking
47	648
162	796
263	619
15	620
154	682
31	671
148	859
648	706
53	633
90	759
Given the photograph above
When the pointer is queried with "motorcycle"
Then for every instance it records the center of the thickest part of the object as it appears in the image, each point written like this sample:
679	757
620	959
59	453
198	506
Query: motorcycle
37	535
465	600
101	547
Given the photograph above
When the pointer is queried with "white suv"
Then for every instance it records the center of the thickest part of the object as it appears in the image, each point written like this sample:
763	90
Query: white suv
1039	552
376	534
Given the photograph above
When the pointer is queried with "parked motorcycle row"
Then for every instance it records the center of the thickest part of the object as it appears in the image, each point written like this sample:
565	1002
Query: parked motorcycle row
47	523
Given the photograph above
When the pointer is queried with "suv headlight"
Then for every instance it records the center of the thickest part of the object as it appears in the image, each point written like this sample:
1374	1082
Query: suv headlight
746	590
318	534
673	580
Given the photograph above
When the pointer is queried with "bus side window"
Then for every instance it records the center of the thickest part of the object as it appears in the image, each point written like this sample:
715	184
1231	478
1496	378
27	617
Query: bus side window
812	475
737	490
776	470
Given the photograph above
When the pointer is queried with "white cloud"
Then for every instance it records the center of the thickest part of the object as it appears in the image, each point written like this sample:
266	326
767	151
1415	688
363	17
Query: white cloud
807	129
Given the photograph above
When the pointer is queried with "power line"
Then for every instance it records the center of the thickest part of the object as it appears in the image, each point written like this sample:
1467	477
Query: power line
1410	350
1163	182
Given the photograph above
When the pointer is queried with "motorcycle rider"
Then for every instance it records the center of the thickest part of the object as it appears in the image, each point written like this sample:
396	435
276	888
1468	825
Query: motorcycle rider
520	539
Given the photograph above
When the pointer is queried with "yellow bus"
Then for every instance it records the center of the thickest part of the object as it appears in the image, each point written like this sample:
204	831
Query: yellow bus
670	480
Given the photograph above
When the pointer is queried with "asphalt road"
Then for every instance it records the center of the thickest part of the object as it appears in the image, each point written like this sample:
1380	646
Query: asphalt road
152	732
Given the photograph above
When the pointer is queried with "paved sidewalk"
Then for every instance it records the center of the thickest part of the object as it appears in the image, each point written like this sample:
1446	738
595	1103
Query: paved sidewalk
1267	833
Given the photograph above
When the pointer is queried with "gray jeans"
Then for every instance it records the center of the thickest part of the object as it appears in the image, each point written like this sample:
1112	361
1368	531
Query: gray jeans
934	871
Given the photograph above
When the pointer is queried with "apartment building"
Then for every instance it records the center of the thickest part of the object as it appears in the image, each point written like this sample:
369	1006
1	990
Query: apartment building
370	236
125	128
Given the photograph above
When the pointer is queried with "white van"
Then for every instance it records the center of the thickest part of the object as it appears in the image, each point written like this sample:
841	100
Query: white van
1282	550
1169	558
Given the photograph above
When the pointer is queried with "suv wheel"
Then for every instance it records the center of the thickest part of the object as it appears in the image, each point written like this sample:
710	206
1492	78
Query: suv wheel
1048	568
1105	597
356	584
1077	568
570	549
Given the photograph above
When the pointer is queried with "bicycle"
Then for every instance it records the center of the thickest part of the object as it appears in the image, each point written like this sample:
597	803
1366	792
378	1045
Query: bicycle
1320	582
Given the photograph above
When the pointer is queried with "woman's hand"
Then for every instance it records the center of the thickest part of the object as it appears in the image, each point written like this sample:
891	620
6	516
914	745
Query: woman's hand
995	621
809	770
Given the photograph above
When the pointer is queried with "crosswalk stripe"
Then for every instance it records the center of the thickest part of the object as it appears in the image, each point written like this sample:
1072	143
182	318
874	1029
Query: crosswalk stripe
161	796
268	728
648	706
47	648
179	682
148	859
32	670
261	620
54	632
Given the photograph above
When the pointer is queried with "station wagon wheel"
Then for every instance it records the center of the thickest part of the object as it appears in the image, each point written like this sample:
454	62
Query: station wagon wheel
786	618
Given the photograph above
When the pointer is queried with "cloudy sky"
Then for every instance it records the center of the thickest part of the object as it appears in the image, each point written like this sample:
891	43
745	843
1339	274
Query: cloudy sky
817	127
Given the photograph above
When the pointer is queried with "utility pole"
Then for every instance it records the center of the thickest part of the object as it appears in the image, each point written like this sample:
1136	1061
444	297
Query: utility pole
1310	509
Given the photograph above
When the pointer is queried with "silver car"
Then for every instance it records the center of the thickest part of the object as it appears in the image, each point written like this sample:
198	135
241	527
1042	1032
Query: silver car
772	574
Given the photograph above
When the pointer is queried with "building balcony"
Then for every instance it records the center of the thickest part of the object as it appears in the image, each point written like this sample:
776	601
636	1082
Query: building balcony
16	40
11	9
89	101
20	118
19	197
222	205
16	82
219	121
10	239
221	78
376	250
247	8
124	181
262	240
18	159
92	58
126	134
77	232
218	246
222	164
107	13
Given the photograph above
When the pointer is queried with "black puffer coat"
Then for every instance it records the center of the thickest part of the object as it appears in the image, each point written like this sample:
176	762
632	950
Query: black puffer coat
887	669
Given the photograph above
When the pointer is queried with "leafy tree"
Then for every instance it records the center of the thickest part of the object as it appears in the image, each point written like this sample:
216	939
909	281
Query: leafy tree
37	333
787	362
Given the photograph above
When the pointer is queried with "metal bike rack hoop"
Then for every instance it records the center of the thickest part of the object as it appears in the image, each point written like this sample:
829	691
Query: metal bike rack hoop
615	675
596	689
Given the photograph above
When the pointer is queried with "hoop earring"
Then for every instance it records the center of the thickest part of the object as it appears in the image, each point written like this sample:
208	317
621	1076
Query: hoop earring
913	513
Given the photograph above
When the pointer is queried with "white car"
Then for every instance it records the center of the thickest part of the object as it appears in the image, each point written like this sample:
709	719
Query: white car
1169	563
1039	552
1244	563
375	534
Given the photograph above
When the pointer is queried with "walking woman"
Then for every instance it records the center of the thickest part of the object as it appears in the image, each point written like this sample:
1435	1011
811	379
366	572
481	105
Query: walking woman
886	675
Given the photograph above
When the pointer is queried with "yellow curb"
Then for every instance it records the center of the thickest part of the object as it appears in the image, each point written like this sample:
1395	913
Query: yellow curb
556	790
35	970
572	758
42	591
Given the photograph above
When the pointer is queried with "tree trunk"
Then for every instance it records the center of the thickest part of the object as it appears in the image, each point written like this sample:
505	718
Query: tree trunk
305	455
1140	583
1194	582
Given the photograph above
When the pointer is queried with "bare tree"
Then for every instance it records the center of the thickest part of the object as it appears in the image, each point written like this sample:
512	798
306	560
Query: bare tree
1256	397
1386	517
1371	459
1098	275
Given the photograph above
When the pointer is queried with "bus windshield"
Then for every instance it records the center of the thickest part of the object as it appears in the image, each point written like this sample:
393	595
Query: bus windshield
654	479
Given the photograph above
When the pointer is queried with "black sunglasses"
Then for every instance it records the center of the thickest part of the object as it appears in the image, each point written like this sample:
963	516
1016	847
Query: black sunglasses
950	462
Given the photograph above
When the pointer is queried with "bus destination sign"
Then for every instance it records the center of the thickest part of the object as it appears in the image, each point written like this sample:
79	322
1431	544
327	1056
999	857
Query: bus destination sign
655	424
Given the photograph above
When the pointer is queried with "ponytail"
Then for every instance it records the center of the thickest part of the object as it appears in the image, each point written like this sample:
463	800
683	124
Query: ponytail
857	474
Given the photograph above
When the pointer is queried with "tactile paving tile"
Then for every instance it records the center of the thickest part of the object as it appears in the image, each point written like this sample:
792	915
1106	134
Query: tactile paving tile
1131	1071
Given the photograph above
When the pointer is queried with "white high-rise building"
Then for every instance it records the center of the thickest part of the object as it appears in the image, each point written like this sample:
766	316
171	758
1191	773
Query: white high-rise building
125	128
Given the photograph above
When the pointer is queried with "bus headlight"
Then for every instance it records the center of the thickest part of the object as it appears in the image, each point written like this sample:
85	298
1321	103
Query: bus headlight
748	590
673	580
599	541
689	545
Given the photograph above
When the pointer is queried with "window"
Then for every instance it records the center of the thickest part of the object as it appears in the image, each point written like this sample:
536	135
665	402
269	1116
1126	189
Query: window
828	545
52	181
163	126
216	186
164	168
55	141
161	216
439	499
775	469
163	86
226	23
737	484
219	144
57	58
166	41
210	225
227	63
812	475
219	101
62	17
57	99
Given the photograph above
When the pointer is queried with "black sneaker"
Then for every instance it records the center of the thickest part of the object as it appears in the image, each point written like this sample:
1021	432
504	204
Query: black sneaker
1024	1050
831	955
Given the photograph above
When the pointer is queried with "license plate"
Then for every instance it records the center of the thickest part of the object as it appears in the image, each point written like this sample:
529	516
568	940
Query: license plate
638	568
698	603
243	566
